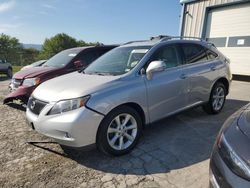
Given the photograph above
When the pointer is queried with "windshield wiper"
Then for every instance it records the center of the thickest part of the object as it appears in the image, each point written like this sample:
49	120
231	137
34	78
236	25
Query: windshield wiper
101	73
82	70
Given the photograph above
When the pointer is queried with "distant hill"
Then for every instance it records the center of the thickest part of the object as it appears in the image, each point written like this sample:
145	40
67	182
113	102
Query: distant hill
36	46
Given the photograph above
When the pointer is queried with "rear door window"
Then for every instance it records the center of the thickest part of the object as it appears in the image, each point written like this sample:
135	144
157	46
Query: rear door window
194	53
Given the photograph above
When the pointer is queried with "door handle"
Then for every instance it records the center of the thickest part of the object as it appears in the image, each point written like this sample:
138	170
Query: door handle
183	76
213	68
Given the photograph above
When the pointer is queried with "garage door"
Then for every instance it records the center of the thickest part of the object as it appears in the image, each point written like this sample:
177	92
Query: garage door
229	29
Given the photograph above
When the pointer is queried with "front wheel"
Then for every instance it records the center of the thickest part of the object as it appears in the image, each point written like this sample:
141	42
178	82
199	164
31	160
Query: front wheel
120	131
9	73
216	100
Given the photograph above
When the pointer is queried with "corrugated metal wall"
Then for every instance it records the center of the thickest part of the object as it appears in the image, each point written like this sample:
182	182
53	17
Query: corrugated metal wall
194	16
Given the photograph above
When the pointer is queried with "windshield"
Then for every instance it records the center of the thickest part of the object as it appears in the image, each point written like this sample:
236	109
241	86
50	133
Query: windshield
62	59
39	63
118	61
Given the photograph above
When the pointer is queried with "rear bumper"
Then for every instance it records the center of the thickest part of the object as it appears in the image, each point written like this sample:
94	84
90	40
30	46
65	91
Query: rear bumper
22	93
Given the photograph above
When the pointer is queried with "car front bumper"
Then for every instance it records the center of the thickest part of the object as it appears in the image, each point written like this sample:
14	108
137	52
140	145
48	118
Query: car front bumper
76	128
22	93
222	176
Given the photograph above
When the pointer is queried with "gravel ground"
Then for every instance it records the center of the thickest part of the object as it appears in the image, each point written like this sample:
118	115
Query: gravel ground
172	153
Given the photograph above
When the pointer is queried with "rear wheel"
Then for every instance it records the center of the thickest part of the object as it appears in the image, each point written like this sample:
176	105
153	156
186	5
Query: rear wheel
9	73
216	100
120	131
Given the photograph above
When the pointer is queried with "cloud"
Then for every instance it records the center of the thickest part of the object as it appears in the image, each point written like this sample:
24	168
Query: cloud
7	6
7	27
48	6
43	13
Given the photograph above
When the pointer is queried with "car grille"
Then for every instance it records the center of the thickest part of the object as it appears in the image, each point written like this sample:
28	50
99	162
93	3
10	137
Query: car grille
36	105
16	82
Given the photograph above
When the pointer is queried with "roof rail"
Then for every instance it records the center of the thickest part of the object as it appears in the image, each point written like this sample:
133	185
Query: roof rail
135	41
182	37
160	37
99	44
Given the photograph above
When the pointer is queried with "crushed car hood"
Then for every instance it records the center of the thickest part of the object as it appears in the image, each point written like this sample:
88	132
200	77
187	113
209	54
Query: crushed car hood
72	85
33	72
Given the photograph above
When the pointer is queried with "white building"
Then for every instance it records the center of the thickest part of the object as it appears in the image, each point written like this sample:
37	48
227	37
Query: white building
226	23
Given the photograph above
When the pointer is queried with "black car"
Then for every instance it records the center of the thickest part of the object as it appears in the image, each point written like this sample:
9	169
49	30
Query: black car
230	159
5	68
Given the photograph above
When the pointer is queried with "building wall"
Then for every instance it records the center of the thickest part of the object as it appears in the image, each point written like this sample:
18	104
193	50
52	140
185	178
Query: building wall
194	14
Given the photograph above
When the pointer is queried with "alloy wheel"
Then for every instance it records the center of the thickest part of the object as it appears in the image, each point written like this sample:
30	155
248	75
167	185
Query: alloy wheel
122	131
218	98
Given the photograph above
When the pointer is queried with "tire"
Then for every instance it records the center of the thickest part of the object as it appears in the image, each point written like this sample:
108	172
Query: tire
110	135
213	107
9	73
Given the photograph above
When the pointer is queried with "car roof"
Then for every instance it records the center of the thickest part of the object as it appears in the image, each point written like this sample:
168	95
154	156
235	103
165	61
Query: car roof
140	43
88	47
166	39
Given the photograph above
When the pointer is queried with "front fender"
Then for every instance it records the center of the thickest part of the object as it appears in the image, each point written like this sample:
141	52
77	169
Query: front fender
127	91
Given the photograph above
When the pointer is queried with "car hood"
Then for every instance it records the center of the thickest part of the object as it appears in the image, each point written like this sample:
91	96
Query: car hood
26	67
244	121
33	72
72	85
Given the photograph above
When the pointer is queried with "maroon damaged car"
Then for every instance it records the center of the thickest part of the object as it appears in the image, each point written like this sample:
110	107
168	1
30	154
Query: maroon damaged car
24	82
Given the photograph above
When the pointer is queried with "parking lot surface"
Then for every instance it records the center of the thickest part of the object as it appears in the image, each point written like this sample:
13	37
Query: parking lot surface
172	153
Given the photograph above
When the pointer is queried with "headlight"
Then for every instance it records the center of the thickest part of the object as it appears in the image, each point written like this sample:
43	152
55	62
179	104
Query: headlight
232	159
68	105
31	82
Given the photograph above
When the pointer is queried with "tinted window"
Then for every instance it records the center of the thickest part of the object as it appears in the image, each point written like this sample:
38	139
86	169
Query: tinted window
62	59
211	55
102	51
88	57
168	54
194	53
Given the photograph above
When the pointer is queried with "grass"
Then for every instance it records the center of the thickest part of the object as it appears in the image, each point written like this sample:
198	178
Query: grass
16	68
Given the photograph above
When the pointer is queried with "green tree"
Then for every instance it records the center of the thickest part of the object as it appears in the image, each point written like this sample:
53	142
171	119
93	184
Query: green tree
10	49
83	43
29	56
56	44
59	42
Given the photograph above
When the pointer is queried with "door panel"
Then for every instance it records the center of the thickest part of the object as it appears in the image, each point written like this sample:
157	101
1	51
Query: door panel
166	93
3	66
201	72
199	79
166	90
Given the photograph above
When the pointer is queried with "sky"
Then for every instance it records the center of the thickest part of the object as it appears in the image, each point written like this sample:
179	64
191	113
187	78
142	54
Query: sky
106	21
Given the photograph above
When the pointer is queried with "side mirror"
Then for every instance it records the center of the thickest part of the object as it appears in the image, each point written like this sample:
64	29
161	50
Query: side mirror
78	64
155	66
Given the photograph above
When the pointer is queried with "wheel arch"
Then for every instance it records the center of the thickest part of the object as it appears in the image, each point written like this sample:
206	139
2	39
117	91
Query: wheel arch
225	82
133	105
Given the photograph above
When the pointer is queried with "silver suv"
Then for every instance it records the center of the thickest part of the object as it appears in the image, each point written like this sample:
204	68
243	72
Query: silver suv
131	86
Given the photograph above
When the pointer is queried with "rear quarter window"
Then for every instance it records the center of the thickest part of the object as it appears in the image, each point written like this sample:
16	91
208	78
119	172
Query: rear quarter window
211	55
